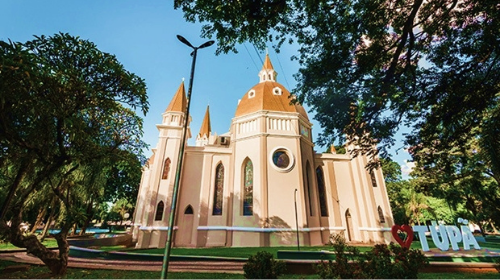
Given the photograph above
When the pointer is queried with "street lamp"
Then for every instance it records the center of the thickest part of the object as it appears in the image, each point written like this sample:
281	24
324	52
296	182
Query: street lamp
173	208
296	219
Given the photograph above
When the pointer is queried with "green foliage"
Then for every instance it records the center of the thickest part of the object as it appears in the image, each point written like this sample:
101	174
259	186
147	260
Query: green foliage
394	262
67	119
391	170
370	66
347	261
382	262
263	266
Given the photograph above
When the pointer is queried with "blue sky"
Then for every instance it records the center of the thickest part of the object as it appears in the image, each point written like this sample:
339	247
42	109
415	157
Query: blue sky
142	35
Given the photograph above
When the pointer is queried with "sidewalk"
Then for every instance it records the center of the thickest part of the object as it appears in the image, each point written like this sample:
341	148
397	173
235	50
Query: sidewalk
174	266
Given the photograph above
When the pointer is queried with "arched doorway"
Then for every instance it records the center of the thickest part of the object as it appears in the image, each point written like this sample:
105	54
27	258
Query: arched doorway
185	230
348	221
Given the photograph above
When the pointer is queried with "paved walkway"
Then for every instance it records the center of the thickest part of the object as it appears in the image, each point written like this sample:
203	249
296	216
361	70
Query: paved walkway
174	266
218	266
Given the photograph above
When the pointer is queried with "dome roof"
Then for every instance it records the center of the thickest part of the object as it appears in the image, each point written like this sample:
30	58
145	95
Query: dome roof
268	96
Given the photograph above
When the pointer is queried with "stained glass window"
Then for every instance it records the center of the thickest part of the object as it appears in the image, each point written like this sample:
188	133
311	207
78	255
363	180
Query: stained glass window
309	190
381	215
281	159
248	189
322	192
166	169
372	177
159	211
218	189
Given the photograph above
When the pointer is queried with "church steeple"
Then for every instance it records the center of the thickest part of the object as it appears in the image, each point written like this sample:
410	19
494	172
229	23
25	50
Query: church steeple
267	73
179	101
205	136
205	126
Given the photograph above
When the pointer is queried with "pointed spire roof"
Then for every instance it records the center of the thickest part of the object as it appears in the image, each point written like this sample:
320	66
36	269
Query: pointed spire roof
205	126
267	72
267	64
179	101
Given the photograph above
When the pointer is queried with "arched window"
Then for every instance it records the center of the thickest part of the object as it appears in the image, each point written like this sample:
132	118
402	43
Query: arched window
166	169
321	192
189	210
159	211
372	177
248	189
381	215
218	189
309	189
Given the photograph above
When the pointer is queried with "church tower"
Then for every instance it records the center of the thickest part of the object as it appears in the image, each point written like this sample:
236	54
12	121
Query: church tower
159	174
273	157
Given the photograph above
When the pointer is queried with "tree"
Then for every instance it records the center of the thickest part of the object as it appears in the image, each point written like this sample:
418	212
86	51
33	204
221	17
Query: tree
409	203
368	66
64	106
464	175
391	169
121	207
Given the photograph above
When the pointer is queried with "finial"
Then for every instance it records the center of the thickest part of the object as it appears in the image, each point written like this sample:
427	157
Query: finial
183	79
267	51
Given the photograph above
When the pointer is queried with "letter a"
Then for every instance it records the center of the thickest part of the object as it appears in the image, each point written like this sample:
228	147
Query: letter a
469	238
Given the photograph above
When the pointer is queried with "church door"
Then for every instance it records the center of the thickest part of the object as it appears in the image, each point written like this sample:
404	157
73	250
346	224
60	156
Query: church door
185	231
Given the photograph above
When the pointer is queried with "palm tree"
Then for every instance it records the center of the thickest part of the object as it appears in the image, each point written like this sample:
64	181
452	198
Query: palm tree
416	203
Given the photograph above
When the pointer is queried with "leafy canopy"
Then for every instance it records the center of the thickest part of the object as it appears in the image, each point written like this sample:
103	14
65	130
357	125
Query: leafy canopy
369	66
68	126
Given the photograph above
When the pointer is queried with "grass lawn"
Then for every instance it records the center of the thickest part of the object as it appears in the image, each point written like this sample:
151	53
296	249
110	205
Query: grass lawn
49	242
39	272
241	252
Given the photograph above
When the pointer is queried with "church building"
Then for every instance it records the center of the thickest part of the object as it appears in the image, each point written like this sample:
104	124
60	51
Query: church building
258	184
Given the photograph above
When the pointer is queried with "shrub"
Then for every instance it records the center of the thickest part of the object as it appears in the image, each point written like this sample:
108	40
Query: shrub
382	262
394	261
263	266
344	265
497	264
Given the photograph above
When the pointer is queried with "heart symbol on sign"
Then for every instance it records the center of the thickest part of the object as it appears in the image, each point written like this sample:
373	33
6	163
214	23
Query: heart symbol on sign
409	235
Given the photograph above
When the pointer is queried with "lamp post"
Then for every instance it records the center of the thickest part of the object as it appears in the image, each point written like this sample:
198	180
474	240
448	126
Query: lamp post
173	208
296	219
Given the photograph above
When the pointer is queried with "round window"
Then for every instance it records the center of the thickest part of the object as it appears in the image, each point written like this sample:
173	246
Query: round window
282	159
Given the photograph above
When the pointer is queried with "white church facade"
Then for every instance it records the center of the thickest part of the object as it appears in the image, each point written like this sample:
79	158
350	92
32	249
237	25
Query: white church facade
253	185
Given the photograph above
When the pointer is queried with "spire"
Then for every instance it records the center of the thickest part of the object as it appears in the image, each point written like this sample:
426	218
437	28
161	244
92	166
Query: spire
178	103
332	149
267	64
267	73
205	126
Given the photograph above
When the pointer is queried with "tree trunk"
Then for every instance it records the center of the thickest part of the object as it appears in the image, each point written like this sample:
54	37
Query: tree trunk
89	215
21	173
49	220
495	231
57	262
73	230
39	219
